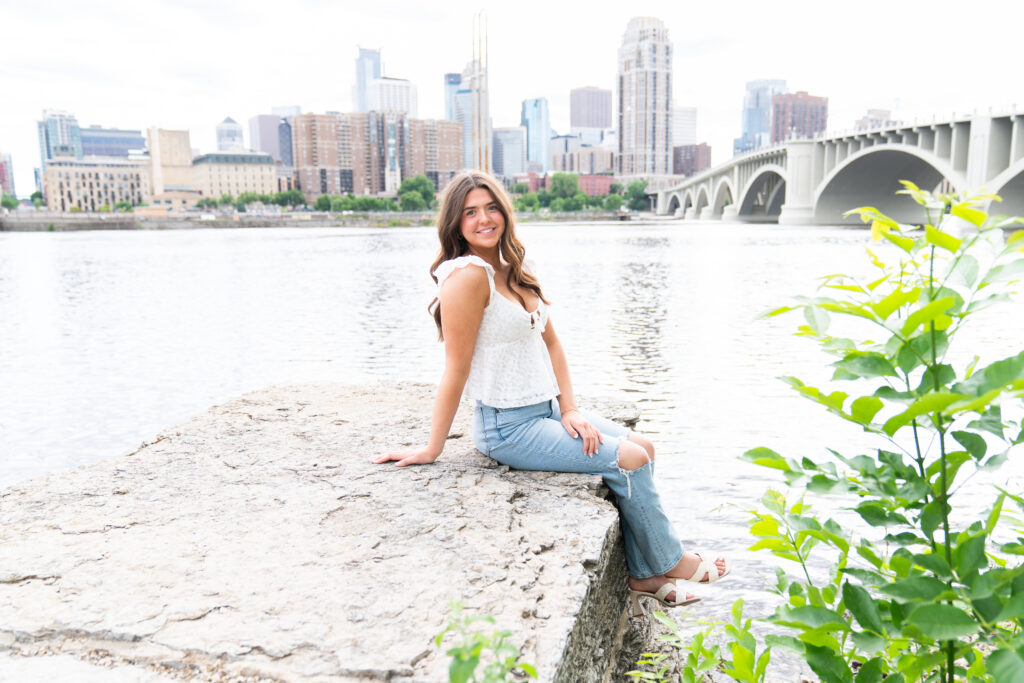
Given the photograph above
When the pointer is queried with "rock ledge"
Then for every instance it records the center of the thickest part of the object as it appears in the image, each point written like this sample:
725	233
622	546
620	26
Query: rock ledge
256	542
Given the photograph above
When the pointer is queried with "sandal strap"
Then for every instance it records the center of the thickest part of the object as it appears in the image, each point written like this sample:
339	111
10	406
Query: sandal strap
666	588
711	569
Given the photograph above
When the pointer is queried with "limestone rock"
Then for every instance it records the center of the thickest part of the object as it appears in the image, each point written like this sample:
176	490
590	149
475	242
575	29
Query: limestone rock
258	542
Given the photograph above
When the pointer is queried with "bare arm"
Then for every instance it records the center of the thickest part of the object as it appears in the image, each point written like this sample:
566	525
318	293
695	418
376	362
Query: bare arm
464	295
572	419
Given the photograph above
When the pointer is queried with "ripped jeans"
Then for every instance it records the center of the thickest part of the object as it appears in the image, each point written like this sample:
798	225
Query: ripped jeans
533	438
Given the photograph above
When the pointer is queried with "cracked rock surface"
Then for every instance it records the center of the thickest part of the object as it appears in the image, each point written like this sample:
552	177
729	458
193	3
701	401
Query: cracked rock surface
256	542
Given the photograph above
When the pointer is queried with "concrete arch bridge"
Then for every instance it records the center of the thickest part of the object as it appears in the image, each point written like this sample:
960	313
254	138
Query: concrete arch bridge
814	181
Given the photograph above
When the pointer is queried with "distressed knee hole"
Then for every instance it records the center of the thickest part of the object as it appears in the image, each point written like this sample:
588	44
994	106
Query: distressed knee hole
643	442
632	456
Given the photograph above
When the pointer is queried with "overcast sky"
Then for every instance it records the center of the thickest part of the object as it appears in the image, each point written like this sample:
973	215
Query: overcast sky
189	64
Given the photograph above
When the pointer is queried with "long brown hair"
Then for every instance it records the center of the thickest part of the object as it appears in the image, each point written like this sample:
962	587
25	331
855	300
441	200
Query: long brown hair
453	244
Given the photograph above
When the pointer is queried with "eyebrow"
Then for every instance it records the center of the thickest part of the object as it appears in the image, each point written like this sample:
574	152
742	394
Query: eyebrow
476	206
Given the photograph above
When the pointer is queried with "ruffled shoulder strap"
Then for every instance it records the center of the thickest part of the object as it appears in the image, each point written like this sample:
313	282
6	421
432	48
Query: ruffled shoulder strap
448	267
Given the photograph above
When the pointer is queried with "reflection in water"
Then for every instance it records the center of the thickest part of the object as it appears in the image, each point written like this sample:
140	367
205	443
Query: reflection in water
637	321
108	337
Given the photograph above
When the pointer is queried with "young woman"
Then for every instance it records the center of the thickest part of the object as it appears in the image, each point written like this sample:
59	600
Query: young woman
502	350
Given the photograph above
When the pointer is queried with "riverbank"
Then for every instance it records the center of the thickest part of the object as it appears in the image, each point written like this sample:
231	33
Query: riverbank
257	540
42	222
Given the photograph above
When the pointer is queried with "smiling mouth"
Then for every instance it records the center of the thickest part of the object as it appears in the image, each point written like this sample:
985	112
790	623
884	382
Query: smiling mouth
488	231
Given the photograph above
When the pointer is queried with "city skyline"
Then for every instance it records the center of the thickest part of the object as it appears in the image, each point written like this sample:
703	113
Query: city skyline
219	59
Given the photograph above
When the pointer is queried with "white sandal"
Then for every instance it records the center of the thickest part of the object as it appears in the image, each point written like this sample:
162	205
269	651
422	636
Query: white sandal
659	595
706	567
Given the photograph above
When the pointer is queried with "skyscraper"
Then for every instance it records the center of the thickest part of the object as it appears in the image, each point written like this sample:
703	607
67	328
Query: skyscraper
590	113
264	136
367	69
684	126
590	107
472	110
510	151
645	99
535	120
59	136
452	83
284	142
229	136
757	115
798	115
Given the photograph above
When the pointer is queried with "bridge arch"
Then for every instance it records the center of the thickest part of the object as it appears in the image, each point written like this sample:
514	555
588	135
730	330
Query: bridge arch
1010	186
764	194
673	204
872	176
688	201
702	199
723	197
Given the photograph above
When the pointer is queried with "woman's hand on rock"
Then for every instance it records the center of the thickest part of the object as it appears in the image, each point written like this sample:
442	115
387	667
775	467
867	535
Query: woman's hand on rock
416	456
578	426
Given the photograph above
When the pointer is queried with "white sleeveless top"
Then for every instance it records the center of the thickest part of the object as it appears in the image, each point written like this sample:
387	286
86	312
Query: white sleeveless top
511	366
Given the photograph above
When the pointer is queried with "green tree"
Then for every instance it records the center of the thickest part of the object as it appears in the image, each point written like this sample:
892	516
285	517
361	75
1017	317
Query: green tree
36	195
226	200
613	202
636	197
421	184
615	188
574	203
9	202
564	184
520	188
123	206
290	198
528	202
322	203
557	205
412	201
544	197
248	198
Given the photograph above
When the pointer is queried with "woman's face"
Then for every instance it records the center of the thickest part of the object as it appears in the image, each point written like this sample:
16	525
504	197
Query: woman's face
482	222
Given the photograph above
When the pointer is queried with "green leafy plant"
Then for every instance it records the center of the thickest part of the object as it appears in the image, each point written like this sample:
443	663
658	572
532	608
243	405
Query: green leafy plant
741	660
473	646
925	587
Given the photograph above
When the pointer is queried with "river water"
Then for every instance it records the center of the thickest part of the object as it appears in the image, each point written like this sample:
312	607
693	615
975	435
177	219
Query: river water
108	337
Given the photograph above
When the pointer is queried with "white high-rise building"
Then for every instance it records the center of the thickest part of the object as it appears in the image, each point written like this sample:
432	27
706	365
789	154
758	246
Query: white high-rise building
393	95
684	126
229	136
510	151
645	99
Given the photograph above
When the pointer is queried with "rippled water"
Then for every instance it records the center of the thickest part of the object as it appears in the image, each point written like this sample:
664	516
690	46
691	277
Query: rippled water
108	337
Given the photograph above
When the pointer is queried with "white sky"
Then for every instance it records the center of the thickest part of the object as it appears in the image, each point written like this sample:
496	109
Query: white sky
190	63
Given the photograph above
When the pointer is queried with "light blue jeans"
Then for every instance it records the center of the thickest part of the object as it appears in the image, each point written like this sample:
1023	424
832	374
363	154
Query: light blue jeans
533	438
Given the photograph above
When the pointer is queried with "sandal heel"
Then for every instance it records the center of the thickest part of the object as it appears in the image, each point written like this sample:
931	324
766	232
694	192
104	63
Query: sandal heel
636	607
